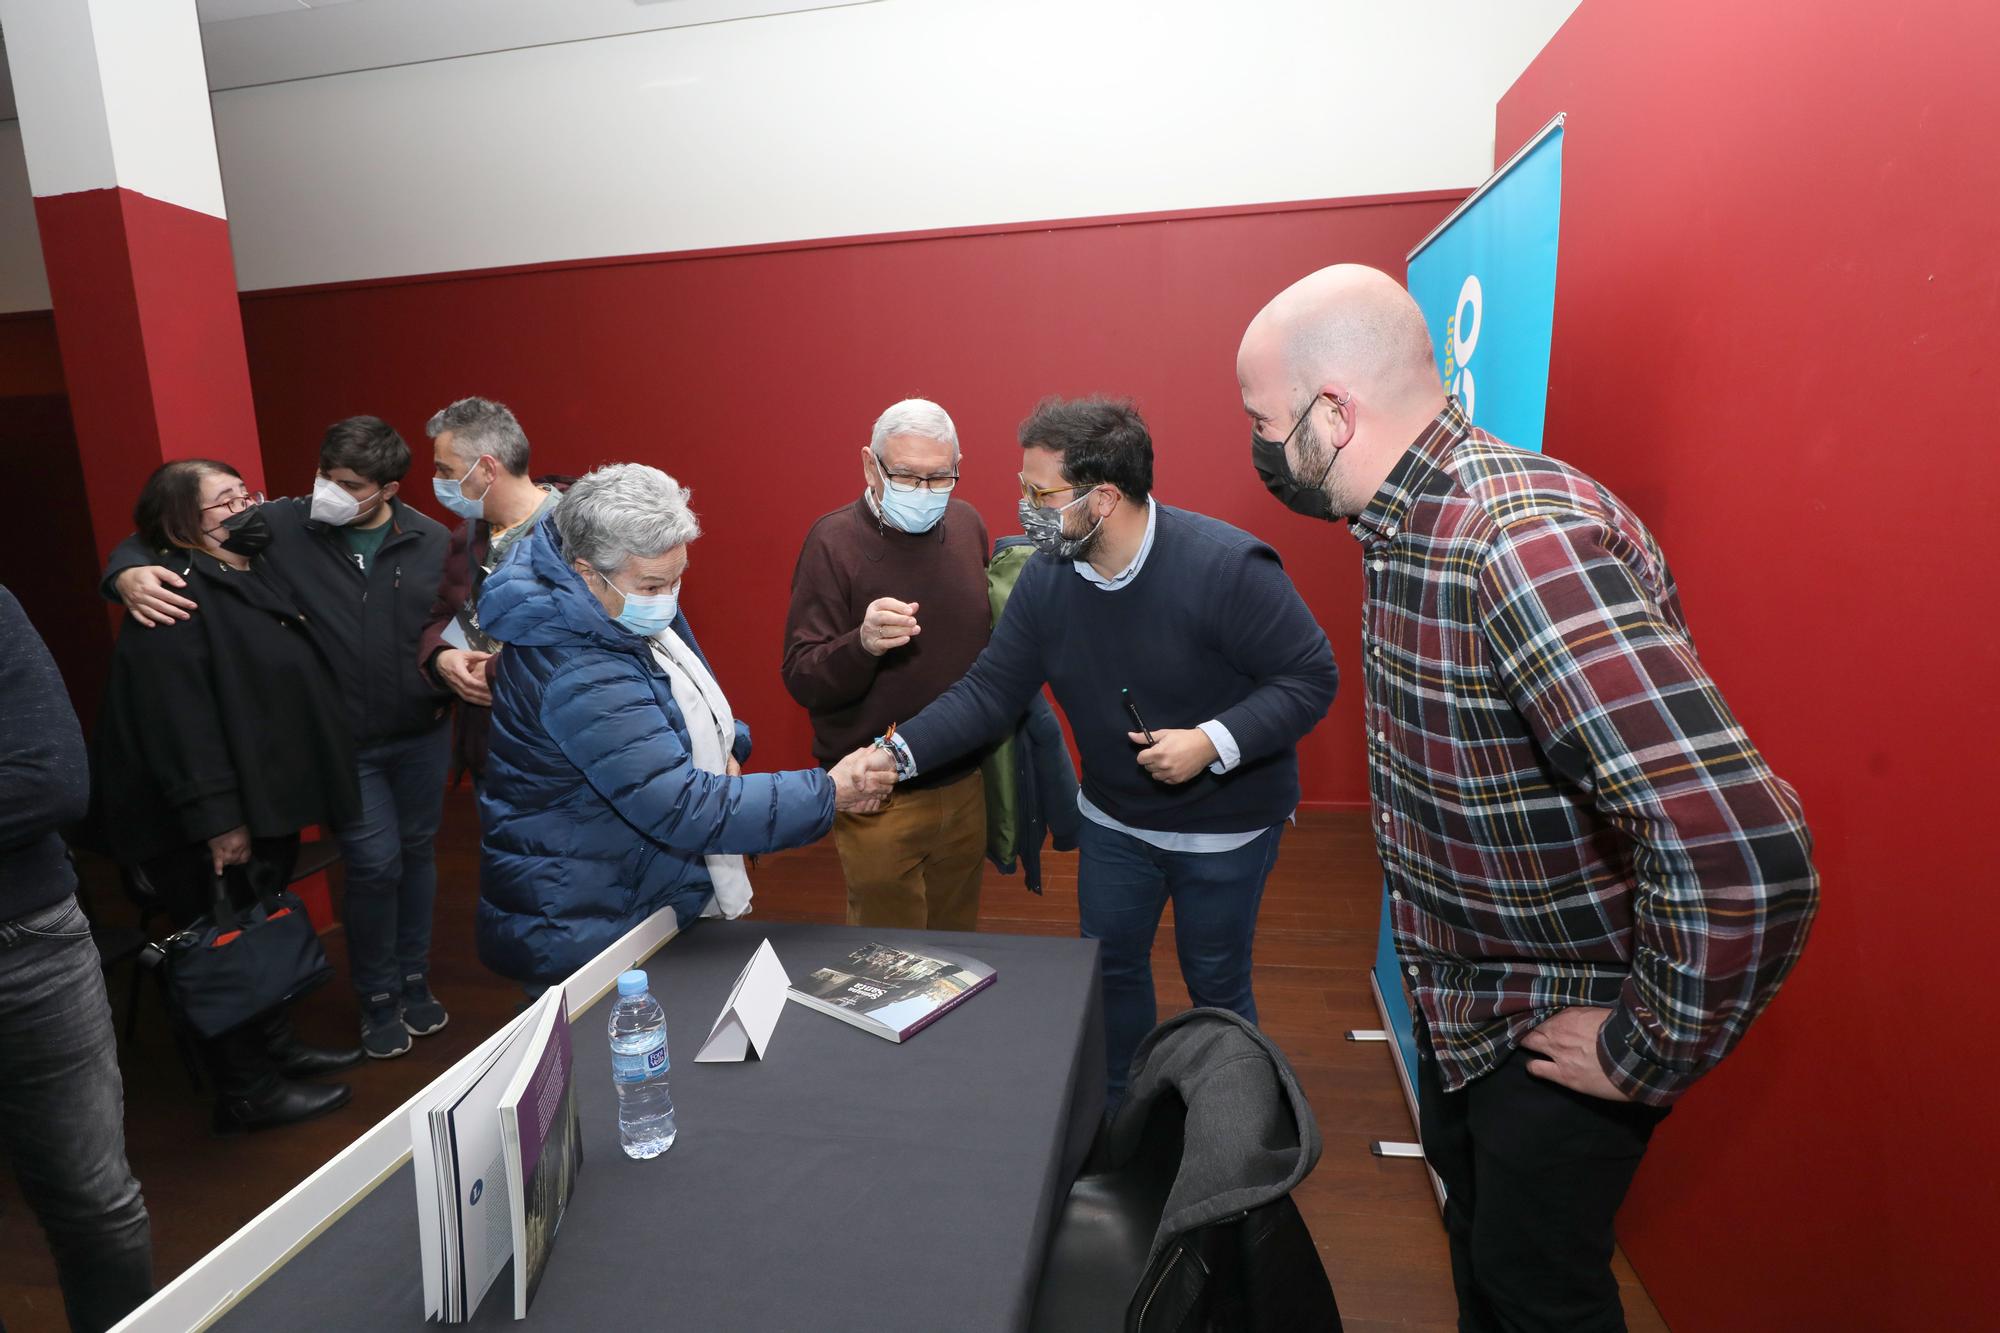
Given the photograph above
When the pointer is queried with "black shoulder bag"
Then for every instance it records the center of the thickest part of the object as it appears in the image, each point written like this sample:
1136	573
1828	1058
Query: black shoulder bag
233	966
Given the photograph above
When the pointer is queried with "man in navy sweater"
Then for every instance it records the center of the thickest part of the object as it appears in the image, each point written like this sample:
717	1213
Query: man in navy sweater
1188	667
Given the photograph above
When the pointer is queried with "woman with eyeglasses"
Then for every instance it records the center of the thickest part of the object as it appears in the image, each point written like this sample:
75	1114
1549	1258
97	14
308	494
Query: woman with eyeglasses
221	737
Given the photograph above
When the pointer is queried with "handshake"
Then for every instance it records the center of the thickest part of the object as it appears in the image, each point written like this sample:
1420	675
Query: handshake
862	781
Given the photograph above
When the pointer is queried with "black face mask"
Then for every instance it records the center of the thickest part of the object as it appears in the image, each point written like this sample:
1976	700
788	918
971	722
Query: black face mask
249	532
1268	457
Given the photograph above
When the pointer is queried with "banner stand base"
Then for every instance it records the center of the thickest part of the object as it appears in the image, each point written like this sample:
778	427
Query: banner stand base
1404	1080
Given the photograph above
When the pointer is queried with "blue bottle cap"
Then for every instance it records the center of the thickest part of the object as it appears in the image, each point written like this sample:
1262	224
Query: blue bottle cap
632	983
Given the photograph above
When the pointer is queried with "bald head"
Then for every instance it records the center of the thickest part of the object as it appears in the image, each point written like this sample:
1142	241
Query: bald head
1338	366
1351	326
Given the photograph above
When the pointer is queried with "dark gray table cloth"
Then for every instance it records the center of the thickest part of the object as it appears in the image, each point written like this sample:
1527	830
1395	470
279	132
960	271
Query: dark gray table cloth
844	1182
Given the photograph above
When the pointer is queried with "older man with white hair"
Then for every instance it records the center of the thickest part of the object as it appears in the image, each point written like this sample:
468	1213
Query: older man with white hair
1596	882
889	608
614	784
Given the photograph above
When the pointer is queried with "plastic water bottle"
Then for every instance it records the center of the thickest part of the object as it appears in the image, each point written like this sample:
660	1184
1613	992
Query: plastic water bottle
639	1068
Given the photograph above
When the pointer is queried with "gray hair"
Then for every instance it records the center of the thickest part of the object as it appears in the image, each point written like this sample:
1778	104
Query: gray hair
482	426
914	416
623	510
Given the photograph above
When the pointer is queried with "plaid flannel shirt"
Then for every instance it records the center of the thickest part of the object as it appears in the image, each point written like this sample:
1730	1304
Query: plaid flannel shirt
1565	808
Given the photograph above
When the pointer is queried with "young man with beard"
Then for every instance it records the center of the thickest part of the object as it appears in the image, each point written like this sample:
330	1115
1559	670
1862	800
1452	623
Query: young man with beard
1189	668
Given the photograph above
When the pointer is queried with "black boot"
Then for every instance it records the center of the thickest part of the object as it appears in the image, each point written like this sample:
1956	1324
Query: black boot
294	1058
287	1105
250	1094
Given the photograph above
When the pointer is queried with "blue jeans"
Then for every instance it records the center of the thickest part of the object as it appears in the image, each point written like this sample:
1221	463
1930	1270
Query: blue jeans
1123	886
391	860
62	1114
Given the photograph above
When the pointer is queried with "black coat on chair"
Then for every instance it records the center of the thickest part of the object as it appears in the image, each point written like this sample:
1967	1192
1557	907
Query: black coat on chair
1184	1222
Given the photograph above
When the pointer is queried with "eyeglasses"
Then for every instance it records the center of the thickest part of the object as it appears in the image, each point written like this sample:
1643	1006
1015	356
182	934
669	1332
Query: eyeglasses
236	503
904	483
1034	494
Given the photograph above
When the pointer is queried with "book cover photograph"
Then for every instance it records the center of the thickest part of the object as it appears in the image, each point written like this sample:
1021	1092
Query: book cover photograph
892	992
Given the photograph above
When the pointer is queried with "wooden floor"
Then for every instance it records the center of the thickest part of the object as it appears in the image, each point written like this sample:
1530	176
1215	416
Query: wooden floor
1375	1219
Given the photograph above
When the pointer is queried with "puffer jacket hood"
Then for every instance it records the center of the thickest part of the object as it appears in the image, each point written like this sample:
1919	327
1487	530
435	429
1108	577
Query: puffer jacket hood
593	814
537	600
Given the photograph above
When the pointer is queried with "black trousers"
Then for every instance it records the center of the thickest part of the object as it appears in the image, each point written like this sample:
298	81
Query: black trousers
1534	1174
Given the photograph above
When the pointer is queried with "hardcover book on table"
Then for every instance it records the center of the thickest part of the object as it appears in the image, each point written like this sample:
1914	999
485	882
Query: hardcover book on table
544	1147
495	1152
893	993
459	1163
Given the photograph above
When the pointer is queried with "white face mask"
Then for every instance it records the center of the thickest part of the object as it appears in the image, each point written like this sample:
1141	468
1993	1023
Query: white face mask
332	504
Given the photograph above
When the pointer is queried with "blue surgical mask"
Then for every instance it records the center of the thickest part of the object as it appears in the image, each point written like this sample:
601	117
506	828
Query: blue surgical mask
914	511
451	494
647	616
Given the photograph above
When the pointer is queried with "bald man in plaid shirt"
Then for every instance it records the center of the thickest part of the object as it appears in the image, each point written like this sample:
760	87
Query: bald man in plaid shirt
1595	880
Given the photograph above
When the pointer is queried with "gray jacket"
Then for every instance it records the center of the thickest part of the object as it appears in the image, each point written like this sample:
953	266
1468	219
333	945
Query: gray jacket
1231	1251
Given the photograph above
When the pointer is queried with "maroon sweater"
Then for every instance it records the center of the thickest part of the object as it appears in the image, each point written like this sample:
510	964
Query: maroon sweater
850	558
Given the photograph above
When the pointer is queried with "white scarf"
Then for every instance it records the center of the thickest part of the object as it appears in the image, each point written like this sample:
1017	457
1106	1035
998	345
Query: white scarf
712	735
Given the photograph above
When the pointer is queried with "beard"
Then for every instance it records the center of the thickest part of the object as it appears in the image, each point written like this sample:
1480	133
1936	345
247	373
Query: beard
1319	463
1088	531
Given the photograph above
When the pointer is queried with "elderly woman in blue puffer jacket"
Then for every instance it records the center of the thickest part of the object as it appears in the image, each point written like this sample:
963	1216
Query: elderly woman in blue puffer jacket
615	785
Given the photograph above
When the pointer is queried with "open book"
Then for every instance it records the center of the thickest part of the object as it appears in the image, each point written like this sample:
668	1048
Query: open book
892	993
470	1202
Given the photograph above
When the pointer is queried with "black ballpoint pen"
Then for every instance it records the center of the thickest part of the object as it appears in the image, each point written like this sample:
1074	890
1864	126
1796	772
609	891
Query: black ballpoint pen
1132	711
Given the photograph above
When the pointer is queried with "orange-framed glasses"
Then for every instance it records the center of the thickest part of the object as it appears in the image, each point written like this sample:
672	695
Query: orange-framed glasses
1034	494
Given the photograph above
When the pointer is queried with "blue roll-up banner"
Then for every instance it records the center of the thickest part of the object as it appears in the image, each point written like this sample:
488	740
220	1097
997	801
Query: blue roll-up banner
1486	281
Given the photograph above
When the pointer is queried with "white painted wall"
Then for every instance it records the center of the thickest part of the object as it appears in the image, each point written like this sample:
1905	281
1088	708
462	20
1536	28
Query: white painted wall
894	116
112	93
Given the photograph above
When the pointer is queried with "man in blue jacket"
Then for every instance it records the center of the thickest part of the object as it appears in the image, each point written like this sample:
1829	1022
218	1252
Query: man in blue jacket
1189	668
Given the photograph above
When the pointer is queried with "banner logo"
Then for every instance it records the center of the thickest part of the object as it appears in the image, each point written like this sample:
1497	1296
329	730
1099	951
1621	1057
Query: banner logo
1462	340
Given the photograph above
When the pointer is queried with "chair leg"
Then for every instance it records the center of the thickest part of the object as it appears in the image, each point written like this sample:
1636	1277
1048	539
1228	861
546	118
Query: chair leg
190	1059
132	1001
183	1042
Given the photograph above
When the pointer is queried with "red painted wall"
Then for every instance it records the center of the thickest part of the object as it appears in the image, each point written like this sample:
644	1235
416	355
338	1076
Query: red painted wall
51	563
152	339
1779	275
30	364
754	377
